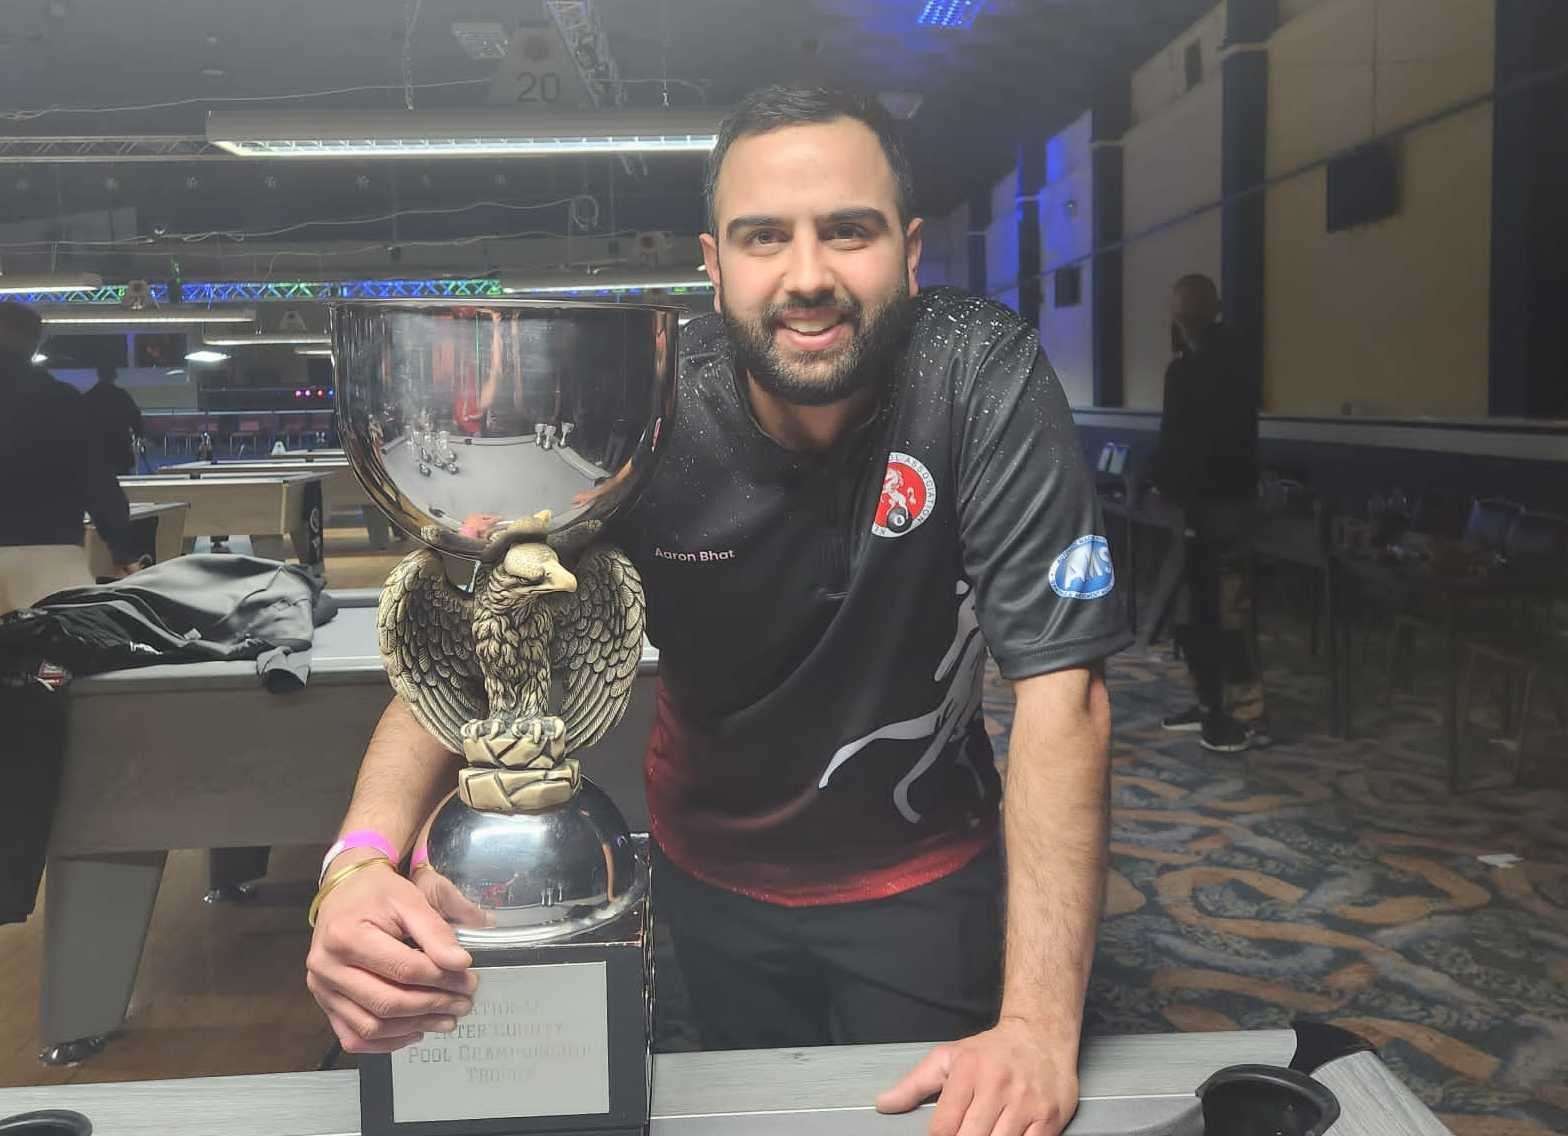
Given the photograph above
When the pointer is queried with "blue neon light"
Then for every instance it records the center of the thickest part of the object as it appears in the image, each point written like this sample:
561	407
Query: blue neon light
107	294
949	13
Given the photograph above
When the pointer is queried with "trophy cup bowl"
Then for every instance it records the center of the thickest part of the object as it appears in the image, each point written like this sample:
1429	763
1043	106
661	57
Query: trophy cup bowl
458	415
503	435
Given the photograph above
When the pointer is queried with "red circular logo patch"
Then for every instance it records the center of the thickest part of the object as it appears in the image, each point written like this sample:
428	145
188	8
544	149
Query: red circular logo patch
908	496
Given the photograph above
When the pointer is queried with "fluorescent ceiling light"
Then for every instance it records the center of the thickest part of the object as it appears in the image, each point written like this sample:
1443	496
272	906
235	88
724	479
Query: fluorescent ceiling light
55	282
266	338
567	283
314	352
477	133
949	13
141	317
40	359
205	357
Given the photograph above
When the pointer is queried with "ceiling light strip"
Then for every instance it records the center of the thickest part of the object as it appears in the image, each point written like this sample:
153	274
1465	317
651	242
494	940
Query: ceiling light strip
173	314
107	294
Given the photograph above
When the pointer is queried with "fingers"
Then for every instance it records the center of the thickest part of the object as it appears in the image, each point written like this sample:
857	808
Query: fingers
924	1080
346	1015
451	904
958	1094
353	1043
383	956
984	1111
434	936
383	1003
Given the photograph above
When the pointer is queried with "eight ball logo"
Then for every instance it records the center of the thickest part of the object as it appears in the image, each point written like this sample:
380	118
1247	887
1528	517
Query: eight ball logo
908	496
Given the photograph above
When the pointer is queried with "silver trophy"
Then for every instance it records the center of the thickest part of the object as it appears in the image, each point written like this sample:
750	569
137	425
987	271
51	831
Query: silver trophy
503	435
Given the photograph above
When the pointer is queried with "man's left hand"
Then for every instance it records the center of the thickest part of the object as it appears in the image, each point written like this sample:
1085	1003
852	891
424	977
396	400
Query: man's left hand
1006	1081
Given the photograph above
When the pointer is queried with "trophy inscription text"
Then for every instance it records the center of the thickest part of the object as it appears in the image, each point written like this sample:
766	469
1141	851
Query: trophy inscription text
535	1044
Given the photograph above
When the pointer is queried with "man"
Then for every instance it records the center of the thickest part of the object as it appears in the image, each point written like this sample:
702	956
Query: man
115	417
1206	463
51	472
820	784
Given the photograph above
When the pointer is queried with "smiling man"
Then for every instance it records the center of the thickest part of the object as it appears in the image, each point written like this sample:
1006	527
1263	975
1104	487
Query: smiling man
864	488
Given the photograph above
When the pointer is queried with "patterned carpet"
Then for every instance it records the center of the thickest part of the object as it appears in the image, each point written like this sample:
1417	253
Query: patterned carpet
1326	879
1339	881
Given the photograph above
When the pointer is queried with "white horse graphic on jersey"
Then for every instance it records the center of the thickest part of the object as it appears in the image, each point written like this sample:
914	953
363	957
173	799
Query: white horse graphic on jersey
964	663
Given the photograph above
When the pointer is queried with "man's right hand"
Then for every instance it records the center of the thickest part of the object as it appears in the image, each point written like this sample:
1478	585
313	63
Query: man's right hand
378	993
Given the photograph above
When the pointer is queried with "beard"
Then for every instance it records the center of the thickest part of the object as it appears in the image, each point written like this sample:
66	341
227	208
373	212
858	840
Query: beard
876	338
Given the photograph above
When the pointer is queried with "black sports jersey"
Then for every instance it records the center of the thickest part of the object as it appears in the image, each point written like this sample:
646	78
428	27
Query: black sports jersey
822	617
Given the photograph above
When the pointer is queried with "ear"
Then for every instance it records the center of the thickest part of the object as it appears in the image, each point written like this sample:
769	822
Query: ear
710	261
914	245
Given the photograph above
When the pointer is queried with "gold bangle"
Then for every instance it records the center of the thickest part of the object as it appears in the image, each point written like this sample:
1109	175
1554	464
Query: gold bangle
335	879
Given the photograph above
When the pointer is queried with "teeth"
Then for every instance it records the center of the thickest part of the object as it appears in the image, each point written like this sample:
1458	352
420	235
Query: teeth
815	327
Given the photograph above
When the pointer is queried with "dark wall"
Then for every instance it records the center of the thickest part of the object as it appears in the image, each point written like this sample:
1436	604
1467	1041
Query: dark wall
1530	211
1346	475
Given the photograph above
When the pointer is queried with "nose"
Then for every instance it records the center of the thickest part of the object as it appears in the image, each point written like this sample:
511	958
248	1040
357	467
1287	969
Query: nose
808	272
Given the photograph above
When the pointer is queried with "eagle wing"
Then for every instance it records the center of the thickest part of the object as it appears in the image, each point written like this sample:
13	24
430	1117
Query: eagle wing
597	643
424	626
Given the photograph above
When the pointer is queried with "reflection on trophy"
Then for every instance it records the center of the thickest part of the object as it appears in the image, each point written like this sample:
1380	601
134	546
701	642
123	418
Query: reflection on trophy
503	437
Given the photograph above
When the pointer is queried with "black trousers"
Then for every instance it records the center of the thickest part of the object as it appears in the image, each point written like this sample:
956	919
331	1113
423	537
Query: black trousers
925	965
1220	641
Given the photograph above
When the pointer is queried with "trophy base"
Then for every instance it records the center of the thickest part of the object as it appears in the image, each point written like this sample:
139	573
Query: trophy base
558	1042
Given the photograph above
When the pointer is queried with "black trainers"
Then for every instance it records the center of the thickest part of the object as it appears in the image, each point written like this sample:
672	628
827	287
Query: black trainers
1189	721
1226	735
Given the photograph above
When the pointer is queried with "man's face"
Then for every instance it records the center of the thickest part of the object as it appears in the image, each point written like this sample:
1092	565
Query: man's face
1192	310
812	268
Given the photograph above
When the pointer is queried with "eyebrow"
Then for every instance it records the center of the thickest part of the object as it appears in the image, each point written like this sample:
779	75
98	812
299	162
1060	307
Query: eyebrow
864	215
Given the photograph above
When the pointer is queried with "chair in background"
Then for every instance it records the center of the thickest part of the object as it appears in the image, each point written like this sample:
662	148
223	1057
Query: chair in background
1487	529
247	434
1526	658
1442	513
178	430
1490	523
292	428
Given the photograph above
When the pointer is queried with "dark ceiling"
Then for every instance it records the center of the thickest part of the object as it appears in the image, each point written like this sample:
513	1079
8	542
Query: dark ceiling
1025	65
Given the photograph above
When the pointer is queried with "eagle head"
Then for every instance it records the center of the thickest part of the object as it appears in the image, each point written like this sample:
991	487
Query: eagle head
531	568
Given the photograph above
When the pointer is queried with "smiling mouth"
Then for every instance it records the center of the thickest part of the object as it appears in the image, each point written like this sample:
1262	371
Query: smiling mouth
820	328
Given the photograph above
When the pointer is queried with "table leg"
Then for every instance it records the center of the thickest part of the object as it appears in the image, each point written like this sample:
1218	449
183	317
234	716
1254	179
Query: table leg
96	912
271	546
376	525
230	872
1451	723
1132	573
1338	654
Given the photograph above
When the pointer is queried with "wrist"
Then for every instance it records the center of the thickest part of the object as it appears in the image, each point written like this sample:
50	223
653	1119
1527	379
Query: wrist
356	840
345	858
1061	1033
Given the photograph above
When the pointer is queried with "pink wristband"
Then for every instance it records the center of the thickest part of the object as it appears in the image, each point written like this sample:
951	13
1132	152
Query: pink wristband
359	838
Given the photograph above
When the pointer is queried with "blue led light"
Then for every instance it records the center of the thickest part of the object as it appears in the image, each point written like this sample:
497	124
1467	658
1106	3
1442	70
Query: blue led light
949	13
231	291
243	291
107	294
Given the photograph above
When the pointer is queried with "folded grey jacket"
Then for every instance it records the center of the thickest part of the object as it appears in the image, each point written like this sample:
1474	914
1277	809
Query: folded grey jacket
189	609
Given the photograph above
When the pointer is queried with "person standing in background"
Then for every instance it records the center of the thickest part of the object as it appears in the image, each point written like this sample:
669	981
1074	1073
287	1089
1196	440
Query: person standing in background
114	416
1206	463
52	470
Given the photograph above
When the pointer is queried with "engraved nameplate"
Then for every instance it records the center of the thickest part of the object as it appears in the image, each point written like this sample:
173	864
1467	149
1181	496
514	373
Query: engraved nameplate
535	1044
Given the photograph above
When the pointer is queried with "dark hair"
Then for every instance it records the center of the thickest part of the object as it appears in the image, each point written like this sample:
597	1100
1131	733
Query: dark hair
19	324
107	372
1199	285
773	108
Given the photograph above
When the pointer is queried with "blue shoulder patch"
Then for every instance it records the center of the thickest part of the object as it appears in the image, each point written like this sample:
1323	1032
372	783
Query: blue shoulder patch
1083	570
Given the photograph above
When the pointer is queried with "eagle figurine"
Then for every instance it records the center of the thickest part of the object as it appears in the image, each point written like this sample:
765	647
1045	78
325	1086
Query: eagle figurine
477	668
